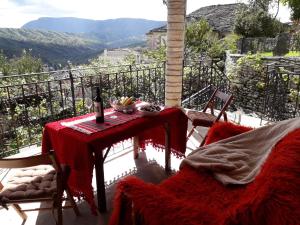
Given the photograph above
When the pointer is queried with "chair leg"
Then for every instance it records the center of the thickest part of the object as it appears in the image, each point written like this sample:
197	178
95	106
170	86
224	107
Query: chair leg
203	141
73	203
191	132
19	211
59	212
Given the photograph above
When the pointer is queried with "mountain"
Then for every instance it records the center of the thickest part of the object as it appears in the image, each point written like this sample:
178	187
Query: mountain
114	32
58	40
51	47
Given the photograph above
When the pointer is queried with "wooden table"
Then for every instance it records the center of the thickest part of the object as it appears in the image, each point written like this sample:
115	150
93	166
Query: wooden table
80	151
100	157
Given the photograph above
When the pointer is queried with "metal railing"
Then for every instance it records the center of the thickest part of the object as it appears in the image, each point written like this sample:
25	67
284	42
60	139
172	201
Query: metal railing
199	82
29	101
282	92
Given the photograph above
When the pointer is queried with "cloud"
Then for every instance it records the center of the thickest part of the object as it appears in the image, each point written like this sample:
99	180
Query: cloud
22	2
15	13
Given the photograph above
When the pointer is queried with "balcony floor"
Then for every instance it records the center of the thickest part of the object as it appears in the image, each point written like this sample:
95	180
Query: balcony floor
149	167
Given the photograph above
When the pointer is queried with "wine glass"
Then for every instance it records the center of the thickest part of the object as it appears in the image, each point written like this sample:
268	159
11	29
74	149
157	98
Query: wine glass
88	101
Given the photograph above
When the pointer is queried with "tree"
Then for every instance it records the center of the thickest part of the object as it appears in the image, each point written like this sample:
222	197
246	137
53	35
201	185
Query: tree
26	63
294	5
201	40
5	67
254	21
157	54
198	36
261	4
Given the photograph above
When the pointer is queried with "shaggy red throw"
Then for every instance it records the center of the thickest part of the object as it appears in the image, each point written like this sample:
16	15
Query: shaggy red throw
223	130
191	198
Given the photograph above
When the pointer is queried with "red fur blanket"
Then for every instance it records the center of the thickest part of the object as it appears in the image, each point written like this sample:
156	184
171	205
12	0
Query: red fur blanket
191	197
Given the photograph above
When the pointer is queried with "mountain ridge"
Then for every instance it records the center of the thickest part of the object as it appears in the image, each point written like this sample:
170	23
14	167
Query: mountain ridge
74	39
125	26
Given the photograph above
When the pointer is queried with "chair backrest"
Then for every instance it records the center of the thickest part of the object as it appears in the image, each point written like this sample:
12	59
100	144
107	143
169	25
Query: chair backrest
44	159
224	98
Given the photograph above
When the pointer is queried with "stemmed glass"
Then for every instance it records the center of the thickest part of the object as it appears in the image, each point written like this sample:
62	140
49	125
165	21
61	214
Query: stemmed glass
88	101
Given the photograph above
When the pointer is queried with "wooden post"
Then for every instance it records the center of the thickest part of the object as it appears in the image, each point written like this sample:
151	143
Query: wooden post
167	148
136	147
99	164
175	52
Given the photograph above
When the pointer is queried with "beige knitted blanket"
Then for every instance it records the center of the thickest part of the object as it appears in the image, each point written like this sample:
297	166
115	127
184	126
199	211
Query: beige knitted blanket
238	159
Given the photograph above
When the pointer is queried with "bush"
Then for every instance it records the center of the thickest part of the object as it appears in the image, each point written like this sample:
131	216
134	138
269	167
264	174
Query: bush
198	36
296	41
255	22
201	40
230	42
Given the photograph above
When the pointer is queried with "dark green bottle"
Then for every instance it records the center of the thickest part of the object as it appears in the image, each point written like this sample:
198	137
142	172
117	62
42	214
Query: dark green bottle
98	105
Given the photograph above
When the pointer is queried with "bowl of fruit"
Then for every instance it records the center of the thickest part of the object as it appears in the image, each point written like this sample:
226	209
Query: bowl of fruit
124	104
150	110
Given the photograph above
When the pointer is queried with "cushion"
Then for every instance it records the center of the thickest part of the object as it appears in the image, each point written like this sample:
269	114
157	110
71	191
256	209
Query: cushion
29	183
201	118
223	130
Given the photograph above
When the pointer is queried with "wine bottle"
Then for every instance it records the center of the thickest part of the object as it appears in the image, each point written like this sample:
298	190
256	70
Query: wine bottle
98	105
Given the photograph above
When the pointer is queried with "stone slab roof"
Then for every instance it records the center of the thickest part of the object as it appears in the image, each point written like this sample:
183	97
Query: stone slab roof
158	29
220	17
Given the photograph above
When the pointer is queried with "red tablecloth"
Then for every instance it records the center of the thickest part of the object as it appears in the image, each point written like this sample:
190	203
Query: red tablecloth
75	148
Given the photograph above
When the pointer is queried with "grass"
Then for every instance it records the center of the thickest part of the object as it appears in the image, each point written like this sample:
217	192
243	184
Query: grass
290	54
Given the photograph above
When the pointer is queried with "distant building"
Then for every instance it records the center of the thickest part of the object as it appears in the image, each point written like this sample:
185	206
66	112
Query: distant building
115	56
220	17
157	37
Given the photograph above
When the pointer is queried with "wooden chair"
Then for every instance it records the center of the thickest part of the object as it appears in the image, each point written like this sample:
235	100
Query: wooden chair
42	179
205	119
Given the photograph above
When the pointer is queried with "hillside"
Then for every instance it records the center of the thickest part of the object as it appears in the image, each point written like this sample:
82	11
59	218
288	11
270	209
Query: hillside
51	47
107	30
58	40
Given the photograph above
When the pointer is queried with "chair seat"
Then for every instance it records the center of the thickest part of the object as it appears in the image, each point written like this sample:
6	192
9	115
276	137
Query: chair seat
201	118
29	183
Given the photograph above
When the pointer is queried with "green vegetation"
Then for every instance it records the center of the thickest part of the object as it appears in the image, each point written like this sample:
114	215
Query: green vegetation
230	42
290	54
199	36
159	54
294	5
24	64
254	21
252	61
52	47
296	41
201	40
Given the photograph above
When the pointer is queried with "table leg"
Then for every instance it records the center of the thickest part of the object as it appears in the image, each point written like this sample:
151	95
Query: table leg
99	167
136	147
168	148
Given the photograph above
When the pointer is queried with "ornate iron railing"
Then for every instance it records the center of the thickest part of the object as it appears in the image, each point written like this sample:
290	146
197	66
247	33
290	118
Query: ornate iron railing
199	82
282	92
29	101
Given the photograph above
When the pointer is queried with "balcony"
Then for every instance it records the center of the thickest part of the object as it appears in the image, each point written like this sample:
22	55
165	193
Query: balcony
29	101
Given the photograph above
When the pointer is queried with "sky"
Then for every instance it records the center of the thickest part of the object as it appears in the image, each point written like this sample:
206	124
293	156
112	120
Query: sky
15	13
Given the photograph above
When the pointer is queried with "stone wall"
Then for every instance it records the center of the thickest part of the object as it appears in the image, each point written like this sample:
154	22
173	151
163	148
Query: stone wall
256	45
248	87
264	44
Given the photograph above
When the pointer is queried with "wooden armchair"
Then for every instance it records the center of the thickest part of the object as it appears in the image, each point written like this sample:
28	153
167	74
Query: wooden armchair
206	119
41	179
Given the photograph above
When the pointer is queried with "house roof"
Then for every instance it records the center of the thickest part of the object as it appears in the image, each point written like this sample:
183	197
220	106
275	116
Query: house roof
158	29
220	17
